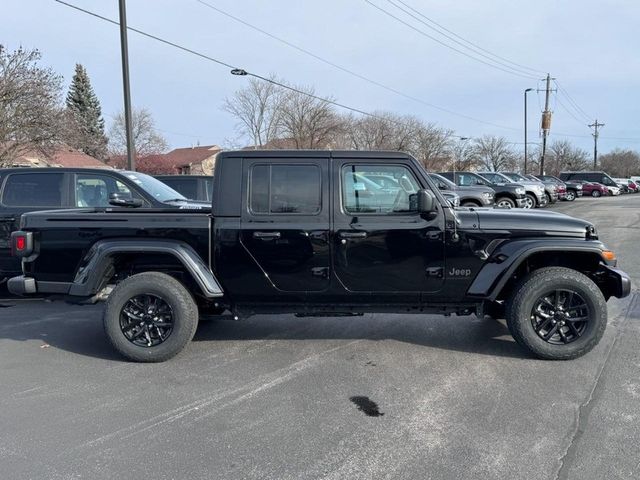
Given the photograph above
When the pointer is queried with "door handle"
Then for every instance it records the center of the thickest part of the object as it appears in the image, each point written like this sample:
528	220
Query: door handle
353	234
266	235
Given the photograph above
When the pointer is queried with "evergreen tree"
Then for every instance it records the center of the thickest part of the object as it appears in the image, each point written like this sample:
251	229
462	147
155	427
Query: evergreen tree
86	125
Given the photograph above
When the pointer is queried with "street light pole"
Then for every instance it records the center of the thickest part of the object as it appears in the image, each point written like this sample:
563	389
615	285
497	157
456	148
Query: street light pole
131	154
525	129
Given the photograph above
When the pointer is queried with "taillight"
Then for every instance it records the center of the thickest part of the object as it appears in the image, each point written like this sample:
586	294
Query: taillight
21	244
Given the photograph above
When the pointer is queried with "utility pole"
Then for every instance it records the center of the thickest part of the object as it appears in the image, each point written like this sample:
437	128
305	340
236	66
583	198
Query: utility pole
131	154
525	129
595	134
546	123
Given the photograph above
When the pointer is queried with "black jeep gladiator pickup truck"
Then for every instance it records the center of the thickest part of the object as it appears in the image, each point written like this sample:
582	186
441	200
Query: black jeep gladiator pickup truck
313	233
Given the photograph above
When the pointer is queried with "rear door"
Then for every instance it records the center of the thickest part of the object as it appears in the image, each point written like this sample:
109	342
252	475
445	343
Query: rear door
27	192
382	246
285	225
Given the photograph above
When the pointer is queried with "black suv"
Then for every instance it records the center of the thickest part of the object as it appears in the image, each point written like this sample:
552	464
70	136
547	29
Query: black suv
193	187
30	189
508	195
310	232
593	176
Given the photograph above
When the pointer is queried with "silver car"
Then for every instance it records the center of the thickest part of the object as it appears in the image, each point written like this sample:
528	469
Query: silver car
534	197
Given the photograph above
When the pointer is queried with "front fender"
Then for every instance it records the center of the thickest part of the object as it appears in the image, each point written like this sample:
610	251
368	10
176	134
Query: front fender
98	262
509	255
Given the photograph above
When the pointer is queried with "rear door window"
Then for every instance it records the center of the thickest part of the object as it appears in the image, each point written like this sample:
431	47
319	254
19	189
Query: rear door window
33	190
285	189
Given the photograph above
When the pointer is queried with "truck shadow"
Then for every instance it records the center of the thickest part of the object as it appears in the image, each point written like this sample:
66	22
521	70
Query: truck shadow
462	334
79	330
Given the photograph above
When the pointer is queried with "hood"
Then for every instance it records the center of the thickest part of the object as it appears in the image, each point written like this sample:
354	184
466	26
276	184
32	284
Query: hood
541	222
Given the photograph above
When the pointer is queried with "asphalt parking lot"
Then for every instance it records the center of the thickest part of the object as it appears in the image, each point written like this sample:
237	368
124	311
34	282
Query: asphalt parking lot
281	397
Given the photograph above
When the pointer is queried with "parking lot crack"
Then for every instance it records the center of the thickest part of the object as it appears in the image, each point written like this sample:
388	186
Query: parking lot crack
584	410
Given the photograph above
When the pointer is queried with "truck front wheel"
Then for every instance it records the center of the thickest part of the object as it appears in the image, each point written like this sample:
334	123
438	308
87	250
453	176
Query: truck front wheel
150	317
557	313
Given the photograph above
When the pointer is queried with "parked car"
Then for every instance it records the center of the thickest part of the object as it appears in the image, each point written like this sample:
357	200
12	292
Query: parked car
479	196
508	195
193	187
594	189
534	191
30	189
614	190
573	189
626	185
552	190
452	197
590	176
300	232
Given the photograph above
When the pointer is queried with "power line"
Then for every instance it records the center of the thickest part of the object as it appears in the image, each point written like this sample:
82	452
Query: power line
581	122
243	72
472	44
517	70
423	33
572	101
346	70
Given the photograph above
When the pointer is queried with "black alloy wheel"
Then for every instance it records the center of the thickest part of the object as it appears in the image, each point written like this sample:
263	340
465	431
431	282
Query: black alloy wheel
560	316
146	320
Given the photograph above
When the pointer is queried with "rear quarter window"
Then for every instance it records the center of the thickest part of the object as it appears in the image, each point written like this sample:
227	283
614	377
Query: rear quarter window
33	190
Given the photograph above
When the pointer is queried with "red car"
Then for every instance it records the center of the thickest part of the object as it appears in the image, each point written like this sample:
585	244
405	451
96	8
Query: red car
594	189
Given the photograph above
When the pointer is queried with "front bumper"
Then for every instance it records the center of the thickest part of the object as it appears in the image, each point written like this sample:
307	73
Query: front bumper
520	202
618	282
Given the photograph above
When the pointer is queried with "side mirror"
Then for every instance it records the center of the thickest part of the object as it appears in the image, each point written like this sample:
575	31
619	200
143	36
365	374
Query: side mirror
117	200
426	201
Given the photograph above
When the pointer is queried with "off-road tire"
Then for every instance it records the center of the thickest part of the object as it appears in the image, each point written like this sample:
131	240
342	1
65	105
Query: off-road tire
505	201
521	302
184	313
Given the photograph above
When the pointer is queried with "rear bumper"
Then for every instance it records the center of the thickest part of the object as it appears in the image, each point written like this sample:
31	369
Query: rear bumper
618	282
21	285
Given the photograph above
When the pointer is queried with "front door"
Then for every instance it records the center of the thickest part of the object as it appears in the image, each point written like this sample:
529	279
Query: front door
285	225
382	245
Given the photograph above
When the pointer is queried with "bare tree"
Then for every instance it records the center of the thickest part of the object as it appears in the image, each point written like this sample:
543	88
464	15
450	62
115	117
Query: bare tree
256	109
30	109
381	131
146	139
494	153
621	163
306	121
432	147
462	156
564	156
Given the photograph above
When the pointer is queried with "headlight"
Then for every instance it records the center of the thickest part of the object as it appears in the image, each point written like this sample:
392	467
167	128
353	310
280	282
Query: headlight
520	191
487	195
540	189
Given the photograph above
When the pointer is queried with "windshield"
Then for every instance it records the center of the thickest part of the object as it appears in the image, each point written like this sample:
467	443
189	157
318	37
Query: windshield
448	184
516	177
470	179
154	187
497	177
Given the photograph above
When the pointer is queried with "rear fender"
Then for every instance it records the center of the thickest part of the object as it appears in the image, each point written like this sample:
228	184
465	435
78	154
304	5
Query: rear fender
97	265
508	256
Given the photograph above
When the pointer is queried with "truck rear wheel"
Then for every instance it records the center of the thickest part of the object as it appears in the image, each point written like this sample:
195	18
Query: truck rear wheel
557	313
150	317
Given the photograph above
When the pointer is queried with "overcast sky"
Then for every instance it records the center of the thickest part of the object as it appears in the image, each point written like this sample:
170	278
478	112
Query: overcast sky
590	46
